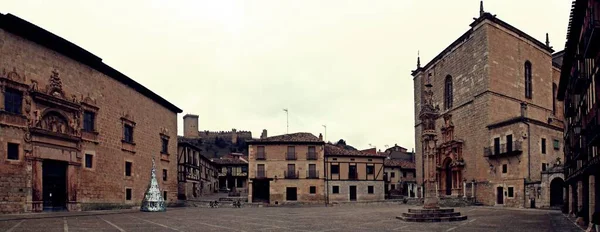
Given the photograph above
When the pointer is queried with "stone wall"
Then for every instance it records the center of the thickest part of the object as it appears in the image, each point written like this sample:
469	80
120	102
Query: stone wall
105	183
361	191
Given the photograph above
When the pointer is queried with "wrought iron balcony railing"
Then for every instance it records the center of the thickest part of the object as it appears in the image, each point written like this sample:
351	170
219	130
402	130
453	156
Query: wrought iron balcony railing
290	156
505	149
290	174
312	174
311	156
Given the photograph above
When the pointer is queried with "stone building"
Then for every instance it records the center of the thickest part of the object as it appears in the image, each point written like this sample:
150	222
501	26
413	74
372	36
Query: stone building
286	169
493	101
400	177
579	84
353	175
233	173
197	176
75	133
215	144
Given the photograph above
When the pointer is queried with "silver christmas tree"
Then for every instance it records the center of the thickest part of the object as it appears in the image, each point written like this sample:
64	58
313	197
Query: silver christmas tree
153	199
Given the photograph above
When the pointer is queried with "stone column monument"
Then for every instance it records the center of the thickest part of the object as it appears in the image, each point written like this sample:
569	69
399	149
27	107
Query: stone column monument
431	211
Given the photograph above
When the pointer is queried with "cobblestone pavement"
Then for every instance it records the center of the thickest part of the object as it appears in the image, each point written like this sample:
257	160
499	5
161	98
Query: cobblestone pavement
337	218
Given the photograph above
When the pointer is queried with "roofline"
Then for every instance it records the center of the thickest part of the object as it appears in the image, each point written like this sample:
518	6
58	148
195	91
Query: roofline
38	35
284	142
573	33
365	155
463	37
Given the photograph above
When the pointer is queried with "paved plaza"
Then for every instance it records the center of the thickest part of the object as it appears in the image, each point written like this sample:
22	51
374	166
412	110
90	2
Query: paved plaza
337	218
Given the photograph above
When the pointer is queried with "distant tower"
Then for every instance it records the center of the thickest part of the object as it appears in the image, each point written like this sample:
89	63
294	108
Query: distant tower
190	126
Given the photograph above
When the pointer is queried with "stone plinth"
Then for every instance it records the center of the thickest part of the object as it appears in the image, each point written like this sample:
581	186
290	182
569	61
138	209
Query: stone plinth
431	215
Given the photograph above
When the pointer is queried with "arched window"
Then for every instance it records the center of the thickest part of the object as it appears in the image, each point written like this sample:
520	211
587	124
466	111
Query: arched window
528	89
448	92
554	98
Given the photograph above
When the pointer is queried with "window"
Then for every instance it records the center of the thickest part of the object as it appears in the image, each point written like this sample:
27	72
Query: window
403	174
528	86
312	154
260	171
554	92
370	170
509	143
544	166
511	192
543	146
260	154
164	174
313	189
240	183
370	189
448	92
244	169
128	194
335	169
13	99
128	168
88	121
335	189
165	195
392	174
505	168
291	171
496	146
312	171
89	160
291	194
291	153
128	133
12	151
556	144
165	146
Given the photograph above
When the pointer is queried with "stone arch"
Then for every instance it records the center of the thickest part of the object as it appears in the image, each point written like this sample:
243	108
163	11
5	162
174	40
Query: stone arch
556	191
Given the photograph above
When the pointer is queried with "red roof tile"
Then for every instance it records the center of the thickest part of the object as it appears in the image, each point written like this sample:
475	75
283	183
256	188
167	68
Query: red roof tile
333	150
399	163
301	137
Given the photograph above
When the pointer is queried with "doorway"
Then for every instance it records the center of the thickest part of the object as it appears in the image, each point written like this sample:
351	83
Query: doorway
291	194
556	192
260	191
54	185
500	196
353	193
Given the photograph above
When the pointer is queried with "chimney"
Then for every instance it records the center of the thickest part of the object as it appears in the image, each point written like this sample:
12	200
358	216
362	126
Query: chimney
264	134
234	136
190	126
320	137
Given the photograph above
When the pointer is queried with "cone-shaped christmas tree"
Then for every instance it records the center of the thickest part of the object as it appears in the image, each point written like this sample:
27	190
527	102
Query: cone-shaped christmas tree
153	200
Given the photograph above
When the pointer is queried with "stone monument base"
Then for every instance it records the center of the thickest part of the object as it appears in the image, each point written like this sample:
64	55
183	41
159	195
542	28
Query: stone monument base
431	215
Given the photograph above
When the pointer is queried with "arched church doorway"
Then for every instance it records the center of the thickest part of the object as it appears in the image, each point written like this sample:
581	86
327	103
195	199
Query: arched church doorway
556	192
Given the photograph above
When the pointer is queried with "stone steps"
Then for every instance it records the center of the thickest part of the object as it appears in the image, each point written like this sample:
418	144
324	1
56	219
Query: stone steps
431	215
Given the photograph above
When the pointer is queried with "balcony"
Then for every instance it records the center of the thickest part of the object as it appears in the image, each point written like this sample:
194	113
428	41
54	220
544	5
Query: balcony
261	174
290	156
353	175
312	174
290	174
261	156
311	156
592	128
505	149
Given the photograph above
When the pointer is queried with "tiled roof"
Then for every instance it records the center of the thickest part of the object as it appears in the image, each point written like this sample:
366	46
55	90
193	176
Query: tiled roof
370	151
333	150
230	160
301	137
399	163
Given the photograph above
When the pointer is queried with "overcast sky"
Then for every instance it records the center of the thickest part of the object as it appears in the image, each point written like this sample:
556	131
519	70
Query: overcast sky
237	64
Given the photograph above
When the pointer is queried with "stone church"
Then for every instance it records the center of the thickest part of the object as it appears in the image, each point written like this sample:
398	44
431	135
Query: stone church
487	117
76	134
